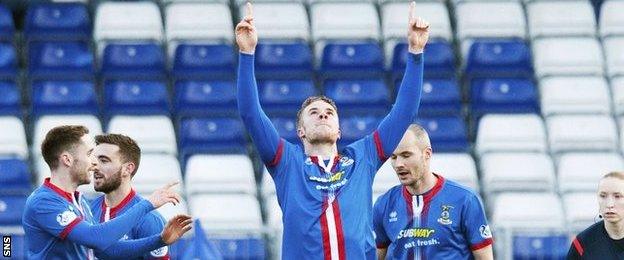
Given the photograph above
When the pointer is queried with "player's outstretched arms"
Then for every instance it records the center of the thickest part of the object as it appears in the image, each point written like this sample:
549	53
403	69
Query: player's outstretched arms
175	228
103	235
257	123
405	108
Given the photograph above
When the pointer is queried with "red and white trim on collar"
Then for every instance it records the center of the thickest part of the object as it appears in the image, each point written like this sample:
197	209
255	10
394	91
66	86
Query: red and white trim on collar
109	213
68	196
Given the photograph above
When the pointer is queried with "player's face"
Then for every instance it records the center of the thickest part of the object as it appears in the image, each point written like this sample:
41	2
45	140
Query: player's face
611	199
409	161
319	123
108	168
82	163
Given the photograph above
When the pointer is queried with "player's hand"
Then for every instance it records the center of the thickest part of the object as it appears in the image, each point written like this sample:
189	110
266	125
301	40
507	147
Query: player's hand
165	195
417	32
175	228
246	35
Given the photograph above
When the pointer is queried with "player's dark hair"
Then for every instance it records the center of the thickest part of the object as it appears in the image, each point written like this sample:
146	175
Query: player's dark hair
311	100
61	139
128	148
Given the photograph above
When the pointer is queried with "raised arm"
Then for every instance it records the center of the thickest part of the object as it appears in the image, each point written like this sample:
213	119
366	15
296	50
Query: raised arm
394	125
258	125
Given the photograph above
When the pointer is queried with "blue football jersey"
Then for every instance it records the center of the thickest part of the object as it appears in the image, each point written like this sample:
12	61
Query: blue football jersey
446	222
326	202
49	216
153	223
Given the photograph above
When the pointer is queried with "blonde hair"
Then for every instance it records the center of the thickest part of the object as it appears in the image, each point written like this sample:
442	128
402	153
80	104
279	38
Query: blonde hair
614	174
422	137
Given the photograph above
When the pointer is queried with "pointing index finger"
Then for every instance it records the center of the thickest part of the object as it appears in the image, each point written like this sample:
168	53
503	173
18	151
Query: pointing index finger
171	184
412	10
248	10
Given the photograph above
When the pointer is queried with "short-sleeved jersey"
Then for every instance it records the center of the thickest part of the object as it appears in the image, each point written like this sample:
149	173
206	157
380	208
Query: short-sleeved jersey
153	223
326	202
49	216
446	222
595	243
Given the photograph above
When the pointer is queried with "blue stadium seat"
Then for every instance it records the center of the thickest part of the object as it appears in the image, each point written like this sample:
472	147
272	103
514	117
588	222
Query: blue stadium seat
204	61
448	134
286	128
534	247
359	97
499	58
503	95
203	97
133	61
8	61
7	27
13	207
14	177
440	96
211	135
136	98
57	21
60	60
440	60
241	248
354	128
362	59
64	97
18	246
10	100
284	97
283	60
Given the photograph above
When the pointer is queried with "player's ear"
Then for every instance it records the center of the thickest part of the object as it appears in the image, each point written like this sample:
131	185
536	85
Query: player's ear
129	168
428	152
66	159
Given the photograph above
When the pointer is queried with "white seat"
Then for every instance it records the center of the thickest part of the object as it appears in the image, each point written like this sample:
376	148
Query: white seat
205	174
459	167
611	19
490	19
128	21
534	211
385	179
156	171
267	185
46	123
154	134
569	133
581	209
614	54
345	21
199	21
617	89
281	20
574	95
227	213
274	222
13	137
511	133
582	171
168	211
561	18
522	172
561	57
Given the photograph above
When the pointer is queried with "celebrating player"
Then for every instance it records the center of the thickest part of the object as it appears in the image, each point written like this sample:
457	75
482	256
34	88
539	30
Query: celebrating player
325	196
427	216
57	220
604	239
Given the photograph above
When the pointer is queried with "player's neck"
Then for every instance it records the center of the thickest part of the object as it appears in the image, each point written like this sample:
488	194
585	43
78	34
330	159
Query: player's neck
115	197
324	150
63	181
615	230
423	185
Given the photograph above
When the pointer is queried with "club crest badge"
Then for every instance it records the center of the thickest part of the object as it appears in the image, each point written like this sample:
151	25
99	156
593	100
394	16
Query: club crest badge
445	217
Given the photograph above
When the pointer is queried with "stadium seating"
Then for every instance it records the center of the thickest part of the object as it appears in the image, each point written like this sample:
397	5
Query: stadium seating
57	21
355	127
7	27
13	138
569	133
574	95
211	135
511	133
534	211
519	172
132	97
614	55
617	92
54	97
440	96
500	57
11	208
459	167
363	97
127	21
540	246
560	57
582	171
154	134
581	209
132	61
10	100
205	97
610	20
217	210
561	18
490	19
385	178
60	60
448	134
205	174
8	61
156	171
503	95
286	128
14	177
284	97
